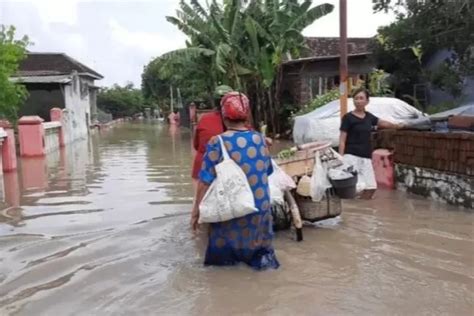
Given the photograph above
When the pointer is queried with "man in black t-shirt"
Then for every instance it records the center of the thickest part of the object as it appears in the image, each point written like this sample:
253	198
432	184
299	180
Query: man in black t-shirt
355	141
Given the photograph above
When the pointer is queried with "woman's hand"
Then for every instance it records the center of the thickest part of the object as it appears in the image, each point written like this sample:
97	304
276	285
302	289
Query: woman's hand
268	141
400	126
201	191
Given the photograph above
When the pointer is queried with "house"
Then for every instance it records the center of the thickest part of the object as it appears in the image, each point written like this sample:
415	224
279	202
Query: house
58	80
317	71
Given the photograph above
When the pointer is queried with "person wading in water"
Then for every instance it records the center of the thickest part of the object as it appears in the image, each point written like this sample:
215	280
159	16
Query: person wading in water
246	239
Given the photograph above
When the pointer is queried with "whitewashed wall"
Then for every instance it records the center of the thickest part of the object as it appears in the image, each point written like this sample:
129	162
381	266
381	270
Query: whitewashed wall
77	103
51	136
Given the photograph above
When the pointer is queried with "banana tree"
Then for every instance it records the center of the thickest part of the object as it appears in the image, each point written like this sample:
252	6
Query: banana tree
275	30
244	43
217	29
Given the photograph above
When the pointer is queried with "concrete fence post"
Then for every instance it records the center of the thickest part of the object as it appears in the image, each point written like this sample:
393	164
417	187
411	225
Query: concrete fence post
3	137
57	116
31	136
8	152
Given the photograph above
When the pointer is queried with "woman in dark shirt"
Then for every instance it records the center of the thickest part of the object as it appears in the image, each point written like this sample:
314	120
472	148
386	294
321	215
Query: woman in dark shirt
355	141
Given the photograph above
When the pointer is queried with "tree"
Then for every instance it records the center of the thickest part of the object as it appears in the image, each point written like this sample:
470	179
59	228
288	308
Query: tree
162	74
422	29
275	31
120	101
12	52
243	44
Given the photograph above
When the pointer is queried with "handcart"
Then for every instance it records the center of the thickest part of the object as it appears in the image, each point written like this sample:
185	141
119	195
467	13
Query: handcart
296	208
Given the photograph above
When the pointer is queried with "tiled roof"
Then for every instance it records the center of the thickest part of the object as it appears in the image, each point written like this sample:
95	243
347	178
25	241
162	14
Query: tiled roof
329	46
53	64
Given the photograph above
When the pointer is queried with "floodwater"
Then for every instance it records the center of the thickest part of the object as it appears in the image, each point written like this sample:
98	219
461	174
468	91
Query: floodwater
102	229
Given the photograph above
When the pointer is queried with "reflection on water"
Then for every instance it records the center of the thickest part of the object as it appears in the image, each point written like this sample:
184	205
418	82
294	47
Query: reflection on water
101	228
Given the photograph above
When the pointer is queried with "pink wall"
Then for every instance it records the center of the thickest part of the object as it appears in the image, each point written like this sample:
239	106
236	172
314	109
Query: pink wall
56	115
31	134
384	167
8	151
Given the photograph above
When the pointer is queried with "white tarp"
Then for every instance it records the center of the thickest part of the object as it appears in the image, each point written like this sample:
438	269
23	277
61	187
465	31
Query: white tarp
323	123
466	110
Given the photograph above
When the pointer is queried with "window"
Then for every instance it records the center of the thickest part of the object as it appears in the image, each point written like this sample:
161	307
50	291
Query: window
319	85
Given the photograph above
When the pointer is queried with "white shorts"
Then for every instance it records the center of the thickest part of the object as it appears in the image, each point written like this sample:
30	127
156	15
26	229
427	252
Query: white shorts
365	172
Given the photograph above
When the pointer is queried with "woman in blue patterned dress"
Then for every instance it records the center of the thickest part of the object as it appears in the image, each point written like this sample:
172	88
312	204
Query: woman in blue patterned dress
246	239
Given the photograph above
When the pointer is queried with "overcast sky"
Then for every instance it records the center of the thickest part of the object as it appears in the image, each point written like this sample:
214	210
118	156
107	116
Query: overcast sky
118	37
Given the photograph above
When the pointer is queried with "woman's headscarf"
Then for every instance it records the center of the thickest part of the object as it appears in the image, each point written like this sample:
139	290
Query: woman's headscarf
235	106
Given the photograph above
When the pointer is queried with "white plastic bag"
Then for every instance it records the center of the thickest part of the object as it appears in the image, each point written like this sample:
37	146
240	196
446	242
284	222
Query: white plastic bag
358	165
229	195
339	174
276	194
319	180
279	182
304	186
280	179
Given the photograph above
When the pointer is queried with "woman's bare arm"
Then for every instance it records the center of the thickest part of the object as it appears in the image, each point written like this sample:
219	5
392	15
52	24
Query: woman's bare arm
387	125
342	142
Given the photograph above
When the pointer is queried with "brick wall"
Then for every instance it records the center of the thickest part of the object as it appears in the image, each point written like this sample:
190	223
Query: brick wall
450	152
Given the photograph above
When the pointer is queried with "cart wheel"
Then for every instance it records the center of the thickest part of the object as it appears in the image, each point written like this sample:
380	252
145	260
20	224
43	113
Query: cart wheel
281	217
299	234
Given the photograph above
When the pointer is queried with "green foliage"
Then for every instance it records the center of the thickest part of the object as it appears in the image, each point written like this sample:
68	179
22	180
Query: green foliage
286	154
319	101
222	90
378	84
120	101
447	78
237	43
176	69
422	29
12	52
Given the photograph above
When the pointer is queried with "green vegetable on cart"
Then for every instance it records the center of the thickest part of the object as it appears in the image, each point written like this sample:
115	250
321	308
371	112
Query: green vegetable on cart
286	153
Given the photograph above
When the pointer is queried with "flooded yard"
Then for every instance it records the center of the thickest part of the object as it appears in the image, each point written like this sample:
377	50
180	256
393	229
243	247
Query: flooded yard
102	228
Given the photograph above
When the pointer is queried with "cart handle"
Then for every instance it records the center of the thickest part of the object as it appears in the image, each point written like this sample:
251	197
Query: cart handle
314	146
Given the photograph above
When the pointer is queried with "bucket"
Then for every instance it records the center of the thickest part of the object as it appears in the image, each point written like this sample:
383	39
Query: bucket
346	188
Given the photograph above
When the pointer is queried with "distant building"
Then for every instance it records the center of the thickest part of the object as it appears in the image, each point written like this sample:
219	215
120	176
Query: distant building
57	80
317	71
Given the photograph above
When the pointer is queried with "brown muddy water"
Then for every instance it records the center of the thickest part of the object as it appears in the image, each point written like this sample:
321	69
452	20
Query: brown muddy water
102	229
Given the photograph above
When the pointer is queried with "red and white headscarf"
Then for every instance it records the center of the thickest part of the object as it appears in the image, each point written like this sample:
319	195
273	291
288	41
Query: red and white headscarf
235	106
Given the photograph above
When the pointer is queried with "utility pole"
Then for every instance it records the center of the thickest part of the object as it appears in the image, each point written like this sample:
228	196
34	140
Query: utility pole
171	95
179	104
343	68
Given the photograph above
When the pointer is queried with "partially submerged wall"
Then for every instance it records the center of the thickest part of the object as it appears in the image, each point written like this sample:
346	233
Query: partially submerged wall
435	165
441	186
51	136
